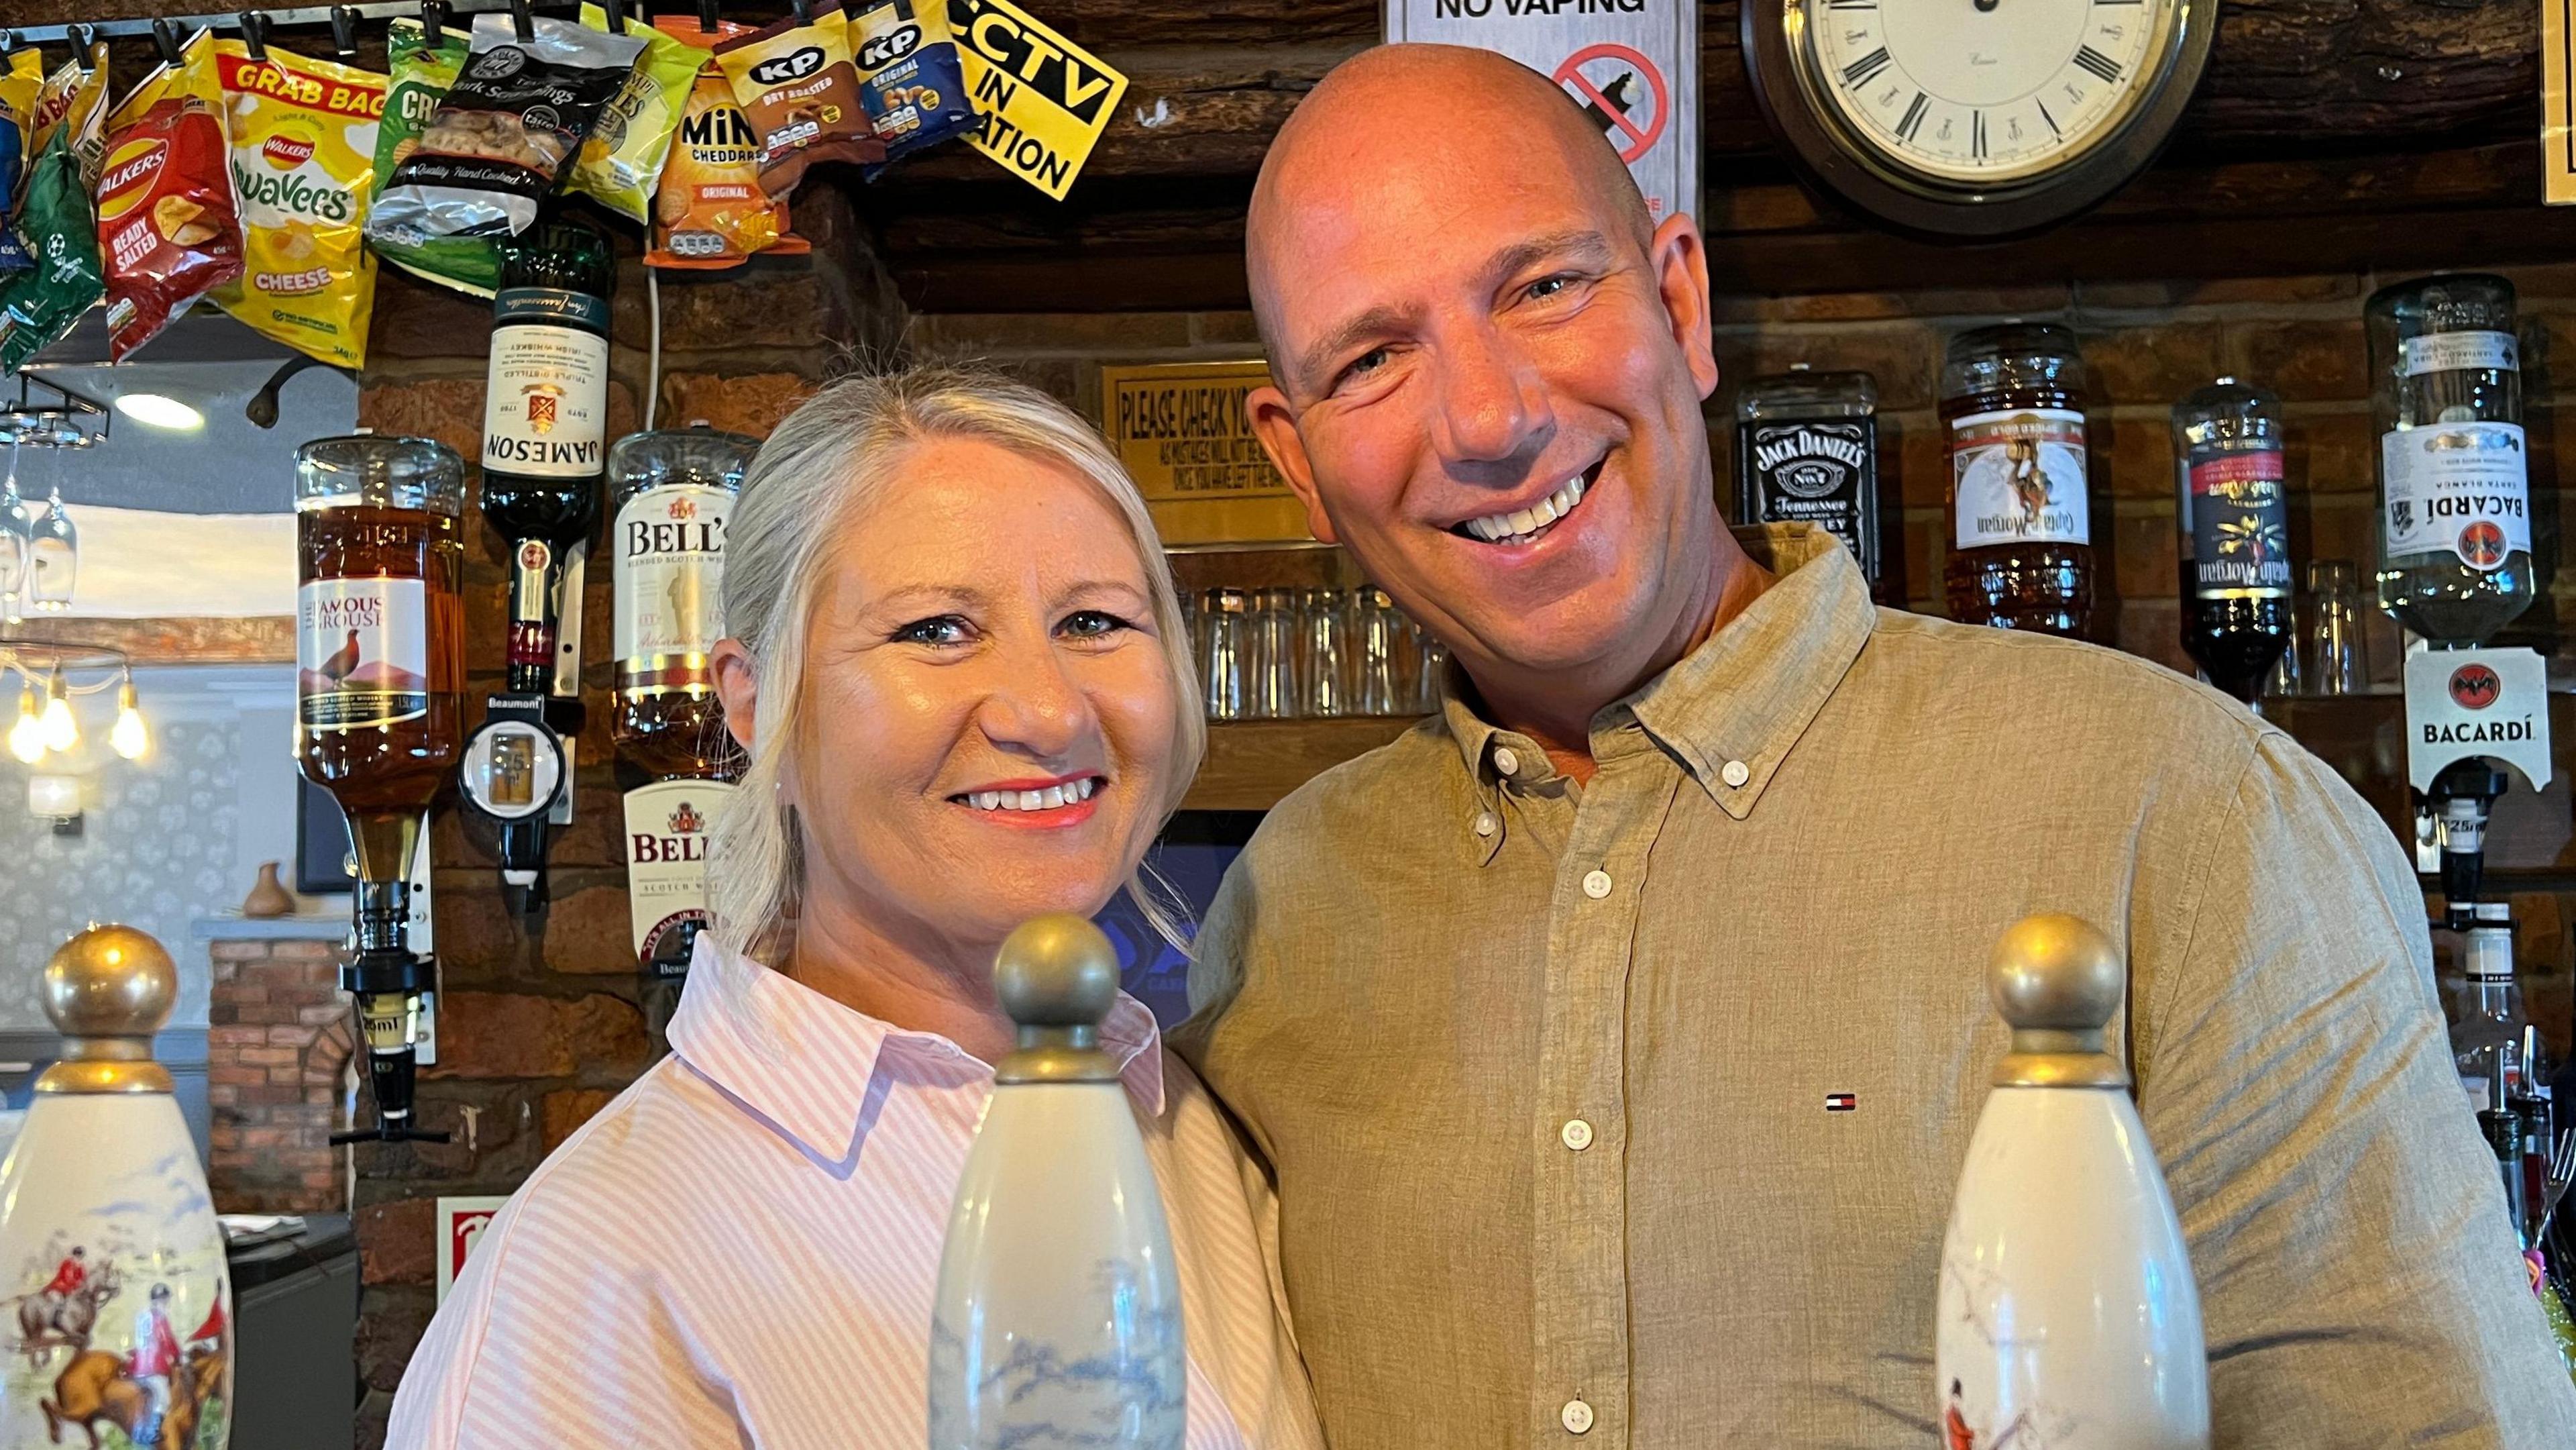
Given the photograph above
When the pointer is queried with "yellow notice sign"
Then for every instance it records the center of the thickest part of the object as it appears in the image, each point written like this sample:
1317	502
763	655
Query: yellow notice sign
1044	99
1182	432
2557	102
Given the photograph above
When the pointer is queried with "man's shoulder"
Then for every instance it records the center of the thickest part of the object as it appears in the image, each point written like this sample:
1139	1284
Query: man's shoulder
1371	797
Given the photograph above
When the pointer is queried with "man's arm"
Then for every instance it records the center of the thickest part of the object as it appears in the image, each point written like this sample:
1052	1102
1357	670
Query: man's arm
2359	1282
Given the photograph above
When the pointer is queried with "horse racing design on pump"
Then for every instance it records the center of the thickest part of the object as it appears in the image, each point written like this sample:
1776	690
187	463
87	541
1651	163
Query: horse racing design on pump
123	1343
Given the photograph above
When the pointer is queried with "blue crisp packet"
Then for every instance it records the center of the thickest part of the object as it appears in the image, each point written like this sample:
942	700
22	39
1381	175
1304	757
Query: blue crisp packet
910	79
14	256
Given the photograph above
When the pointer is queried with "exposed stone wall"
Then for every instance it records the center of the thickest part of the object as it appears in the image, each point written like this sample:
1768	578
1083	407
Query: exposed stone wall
278	1041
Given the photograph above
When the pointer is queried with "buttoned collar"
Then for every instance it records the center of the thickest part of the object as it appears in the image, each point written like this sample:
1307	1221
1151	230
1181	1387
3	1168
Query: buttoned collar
1731	709
817	1071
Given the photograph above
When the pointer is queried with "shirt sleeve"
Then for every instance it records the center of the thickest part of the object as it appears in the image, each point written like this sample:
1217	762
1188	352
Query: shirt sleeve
2359	1280
540	1346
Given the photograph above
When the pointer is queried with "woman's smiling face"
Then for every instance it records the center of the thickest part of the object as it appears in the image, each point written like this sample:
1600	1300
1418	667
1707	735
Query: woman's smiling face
990	715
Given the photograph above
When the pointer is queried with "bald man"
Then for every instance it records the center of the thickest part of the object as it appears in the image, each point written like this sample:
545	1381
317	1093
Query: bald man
1616	1034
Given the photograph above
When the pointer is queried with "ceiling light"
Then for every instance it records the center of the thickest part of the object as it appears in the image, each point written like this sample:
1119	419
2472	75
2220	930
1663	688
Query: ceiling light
27	737
129	736
159	410
61	731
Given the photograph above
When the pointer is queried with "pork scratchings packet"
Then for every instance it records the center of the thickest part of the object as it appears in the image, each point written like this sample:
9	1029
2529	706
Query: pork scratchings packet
909	75
40	304
22	78
623	159
167	232
504	133
422	72
303	147
800	89
710	211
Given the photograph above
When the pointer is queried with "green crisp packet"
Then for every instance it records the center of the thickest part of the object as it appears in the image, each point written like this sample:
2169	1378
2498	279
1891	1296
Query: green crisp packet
39	305
422	72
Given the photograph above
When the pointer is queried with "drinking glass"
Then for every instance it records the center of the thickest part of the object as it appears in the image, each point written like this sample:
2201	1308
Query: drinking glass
14	541
1324	630
1381	642
1272	667
1228	642
53	556
2335	663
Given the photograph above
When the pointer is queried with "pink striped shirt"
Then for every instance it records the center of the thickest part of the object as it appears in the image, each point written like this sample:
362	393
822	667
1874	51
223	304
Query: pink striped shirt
741	1249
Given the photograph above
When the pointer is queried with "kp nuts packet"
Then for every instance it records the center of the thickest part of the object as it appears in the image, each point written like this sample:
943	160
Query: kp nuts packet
710	211
303	143
623	159
504	134
166	228
74	100
422	73
39	305
798	85
909	75
22	78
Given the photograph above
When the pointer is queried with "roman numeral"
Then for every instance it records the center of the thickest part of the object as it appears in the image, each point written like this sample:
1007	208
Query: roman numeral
1861	71
2099	64
2051	120
1977	136
1913	120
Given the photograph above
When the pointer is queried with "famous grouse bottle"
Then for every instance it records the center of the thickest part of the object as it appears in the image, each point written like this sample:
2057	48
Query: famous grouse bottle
545	423
2233	515
2021	528
1806	451
671	492
2455	496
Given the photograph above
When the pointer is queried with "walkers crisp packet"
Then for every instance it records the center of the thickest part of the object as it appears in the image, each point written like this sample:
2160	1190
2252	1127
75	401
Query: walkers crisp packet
166	227
303	163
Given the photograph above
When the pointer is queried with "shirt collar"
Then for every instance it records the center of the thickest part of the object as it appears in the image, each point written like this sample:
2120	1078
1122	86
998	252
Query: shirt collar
1735	705
810	1066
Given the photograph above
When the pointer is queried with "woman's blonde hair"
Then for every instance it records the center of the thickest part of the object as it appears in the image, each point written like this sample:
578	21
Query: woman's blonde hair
827	461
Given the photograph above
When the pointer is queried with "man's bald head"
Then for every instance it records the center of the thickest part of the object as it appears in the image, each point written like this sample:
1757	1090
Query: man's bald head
1446	118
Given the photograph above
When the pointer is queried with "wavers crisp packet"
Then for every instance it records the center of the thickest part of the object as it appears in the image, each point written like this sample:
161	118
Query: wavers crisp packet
166	225
623	157
303	153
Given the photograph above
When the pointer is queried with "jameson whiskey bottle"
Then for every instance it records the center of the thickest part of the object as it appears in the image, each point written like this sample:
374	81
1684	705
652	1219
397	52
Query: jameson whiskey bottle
671	491
2235	534
545	423
1806	451
2455	497
2021	528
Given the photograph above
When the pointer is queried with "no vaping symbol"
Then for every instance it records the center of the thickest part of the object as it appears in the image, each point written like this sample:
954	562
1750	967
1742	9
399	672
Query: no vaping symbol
1622	92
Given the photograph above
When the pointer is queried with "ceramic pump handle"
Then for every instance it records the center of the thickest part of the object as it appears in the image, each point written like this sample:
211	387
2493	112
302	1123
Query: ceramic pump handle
107	991
1057	977
2057	982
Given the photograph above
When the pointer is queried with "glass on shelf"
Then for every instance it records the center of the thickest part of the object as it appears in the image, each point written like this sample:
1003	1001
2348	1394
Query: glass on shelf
53	556
1324	637
1382	634
1223	662
1271	684
1431	663
2335	659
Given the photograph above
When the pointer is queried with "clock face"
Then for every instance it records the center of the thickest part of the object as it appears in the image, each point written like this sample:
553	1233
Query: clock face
1980	92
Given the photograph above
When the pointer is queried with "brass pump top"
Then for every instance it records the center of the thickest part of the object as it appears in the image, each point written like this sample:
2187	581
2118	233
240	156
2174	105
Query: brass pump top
2057	981
1057	977
108	990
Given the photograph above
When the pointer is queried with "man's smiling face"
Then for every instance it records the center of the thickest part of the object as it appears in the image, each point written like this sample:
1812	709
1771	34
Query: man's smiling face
1491	367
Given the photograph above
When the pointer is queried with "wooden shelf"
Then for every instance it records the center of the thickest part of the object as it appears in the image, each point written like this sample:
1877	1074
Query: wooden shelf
1252	763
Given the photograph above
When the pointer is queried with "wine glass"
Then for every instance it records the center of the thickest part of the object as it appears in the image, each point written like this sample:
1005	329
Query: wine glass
53	552
15	542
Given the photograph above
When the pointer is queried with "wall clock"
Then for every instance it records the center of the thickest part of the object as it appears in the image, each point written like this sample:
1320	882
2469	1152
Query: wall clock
1974	118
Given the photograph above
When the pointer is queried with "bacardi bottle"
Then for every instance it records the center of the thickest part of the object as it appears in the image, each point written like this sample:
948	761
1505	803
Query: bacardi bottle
2235	534
2021	523
671	491
1806	451
2455	498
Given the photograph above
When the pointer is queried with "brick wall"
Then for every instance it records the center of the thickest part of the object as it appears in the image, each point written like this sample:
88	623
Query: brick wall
277	1041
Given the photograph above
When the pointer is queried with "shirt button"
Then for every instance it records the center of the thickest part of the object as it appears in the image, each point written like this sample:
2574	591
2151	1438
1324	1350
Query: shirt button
1596	884
1485	823
1577	1134
1507	761
1734	773
1576	1417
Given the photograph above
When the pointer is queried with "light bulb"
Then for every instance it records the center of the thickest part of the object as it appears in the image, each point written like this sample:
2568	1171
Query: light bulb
62	732
128	736
27	737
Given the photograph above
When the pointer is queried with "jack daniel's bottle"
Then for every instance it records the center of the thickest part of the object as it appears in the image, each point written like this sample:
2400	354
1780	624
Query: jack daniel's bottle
1806	451
671	491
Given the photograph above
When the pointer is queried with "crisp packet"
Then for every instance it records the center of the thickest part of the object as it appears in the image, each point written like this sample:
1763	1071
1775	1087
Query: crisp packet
909	75
74	99
504	133
710	211
422	74
800	89
167	232
623	159
303	143
39	305
22	79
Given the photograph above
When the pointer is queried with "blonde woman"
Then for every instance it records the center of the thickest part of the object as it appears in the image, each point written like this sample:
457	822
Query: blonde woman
958	667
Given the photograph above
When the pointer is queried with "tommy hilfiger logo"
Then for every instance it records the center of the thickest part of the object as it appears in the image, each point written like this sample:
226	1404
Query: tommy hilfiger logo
1841	1102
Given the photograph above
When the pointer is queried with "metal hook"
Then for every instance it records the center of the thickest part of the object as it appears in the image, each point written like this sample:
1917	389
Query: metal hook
84	39
804	11
433	21
616	10
344	30
523	21
708	20
254	29
166	40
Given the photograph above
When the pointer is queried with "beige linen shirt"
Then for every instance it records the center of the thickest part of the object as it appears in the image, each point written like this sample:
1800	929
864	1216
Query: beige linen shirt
1543	1070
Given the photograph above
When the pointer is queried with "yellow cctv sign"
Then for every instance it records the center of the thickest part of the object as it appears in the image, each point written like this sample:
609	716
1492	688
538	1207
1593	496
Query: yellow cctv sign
1182	431
1044	99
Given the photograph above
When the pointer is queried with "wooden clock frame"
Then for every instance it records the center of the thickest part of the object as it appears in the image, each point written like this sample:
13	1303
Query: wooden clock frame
1840	165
